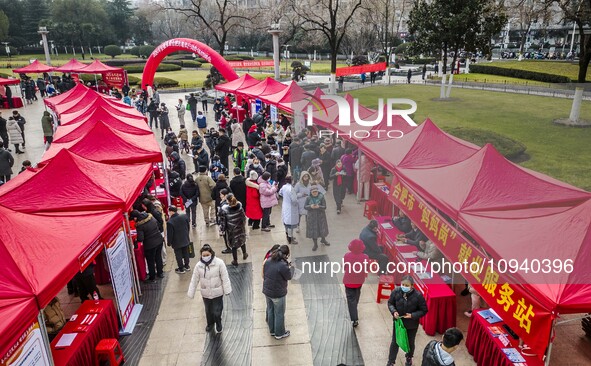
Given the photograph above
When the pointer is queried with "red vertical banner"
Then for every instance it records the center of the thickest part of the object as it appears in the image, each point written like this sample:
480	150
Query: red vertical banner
522	312
114	78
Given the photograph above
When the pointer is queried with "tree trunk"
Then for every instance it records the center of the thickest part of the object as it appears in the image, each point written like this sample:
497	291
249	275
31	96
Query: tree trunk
332	85
575	110
585	45
442	92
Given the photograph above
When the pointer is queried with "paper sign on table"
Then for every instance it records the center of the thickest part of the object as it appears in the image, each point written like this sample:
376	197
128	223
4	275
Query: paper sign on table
66	340
513	355
386	225
409	255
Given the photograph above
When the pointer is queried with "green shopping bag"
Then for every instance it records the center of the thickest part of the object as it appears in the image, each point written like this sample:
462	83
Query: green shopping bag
401	335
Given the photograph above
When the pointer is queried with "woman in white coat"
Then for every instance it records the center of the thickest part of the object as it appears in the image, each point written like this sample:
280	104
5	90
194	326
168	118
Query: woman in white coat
211	275
290	212
15	135
237	134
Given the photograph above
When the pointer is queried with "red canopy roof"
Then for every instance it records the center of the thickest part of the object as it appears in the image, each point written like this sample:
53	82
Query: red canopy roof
112	107
244	81
35	67
97	67
77	102
481	183
71	66
288	97
4	81
107	145
98	186
265	87
424	146
89	100
80	127
72	94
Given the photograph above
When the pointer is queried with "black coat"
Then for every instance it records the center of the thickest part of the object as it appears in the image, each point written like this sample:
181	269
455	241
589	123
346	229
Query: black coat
432	357
202	158
412	303
238	187
222	149
148	232
215	192
253	138
295	154
306	159
271	167
190	191
370	239
174	183
402	224
180	167
414	237
177	231
276	273
281	174
232	221
6	162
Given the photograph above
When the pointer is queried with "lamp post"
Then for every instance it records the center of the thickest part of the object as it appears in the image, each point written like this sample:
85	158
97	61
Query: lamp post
7	51
286	56
43	32
275	30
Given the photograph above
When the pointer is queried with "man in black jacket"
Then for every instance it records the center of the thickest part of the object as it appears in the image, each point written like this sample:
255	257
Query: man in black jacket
153	111
307	156
222	149
3	132
439	353
178	164
192	102
414	237
238	186
402	223
217	109
148	234
177	234
174	183
190	195
295	156
369	236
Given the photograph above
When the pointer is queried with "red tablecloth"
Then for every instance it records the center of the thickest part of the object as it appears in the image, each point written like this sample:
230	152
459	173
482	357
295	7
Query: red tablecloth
101	270
239	113
441	300
486	349
379	192
16	103
81	351
140	261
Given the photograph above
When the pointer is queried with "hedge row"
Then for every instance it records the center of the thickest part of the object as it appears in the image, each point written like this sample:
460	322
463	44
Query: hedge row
161	82
520	74
238	58
137	68
180	63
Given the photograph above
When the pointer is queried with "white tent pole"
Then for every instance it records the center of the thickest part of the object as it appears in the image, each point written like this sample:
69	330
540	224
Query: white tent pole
137	291
549	351
46	343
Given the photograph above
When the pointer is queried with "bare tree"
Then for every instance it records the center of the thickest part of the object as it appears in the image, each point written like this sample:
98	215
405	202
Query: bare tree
218	17
527	13
332	18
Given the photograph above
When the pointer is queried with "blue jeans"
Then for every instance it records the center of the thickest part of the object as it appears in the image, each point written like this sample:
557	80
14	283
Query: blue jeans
276	315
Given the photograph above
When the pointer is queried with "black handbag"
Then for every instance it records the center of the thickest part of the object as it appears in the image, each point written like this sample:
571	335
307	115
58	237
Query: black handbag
191	250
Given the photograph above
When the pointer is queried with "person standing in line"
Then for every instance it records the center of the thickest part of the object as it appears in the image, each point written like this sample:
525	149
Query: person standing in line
316	224
190	196
211	275
408	304
206	186
223	147
156	96
238	187
149	234
218	107
290	214
177	234
153	112
339	189
201	123
14	134
277	270
254	211
6	163
164	120
233	225
353	280
192	102
180	111
268	197
21	123
4	131
204	99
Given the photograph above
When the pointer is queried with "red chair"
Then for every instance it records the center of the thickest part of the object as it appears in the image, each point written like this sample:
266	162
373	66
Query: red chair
386	283
370	209
108	350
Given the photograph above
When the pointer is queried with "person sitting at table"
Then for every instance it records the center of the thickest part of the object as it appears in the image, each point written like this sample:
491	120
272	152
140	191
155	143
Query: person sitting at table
86	283
428	250
475	301
402	223
413	237
408	304
54	318
369	236
439	353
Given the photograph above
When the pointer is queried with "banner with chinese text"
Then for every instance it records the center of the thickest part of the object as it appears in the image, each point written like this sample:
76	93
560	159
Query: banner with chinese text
264	63
114	78
530	320
355	70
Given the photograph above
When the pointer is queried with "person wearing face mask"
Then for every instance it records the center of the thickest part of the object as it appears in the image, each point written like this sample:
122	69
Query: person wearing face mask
439	353
408	304
255	166
211	275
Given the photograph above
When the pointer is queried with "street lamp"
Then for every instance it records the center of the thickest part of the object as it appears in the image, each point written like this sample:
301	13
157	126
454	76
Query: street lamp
275	30
7	51
43	32
286	56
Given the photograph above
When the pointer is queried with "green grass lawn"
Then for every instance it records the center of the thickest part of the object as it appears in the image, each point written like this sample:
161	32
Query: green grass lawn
194	78
495	79
559	151
563	68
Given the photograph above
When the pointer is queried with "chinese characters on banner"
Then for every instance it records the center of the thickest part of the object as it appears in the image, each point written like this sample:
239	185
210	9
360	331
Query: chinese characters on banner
264	63
520	311
29	350
114	78
354	70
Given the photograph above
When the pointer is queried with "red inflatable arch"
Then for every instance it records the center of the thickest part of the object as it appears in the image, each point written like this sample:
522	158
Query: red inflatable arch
189	45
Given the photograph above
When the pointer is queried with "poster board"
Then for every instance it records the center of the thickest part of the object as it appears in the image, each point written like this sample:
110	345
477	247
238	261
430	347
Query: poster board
274	113
117	254
29	350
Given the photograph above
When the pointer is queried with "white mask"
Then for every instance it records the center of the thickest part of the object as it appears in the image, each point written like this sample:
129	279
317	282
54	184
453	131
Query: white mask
206	258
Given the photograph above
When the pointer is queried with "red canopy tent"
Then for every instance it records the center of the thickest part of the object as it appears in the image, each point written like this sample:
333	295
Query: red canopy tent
80	127
287	98
102	186
117	110
479	183
71	66
90	99
107	145
265	87
4	81
35	67
97	67
245	81
17	314
72	94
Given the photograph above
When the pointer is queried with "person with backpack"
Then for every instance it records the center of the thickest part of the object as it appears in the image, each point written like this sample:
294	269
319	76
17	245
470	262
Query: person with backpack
439	353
